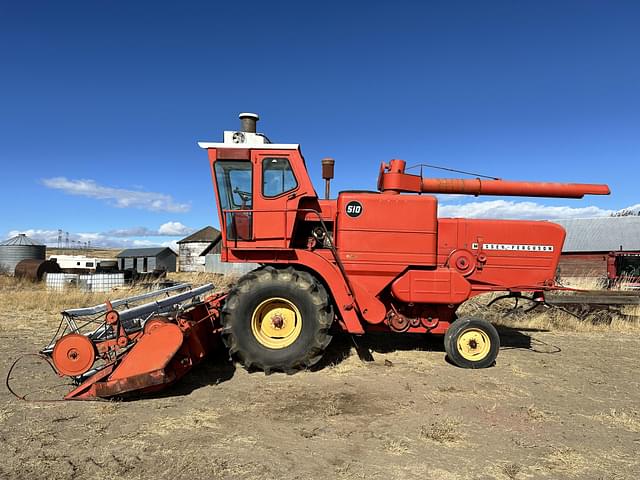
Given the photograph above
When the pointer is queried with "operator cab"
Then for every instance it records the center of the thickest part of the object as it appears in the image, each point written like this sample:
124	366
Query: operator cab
261	187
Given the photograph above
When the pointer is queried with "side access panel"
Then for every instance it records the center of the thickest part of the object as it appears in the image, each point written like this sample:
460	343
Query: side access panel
441	286
387	229
507	253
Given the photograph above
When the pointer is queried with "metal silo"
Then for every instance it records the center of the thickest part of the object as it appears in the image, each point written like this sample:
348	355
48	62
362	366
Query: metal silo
19	248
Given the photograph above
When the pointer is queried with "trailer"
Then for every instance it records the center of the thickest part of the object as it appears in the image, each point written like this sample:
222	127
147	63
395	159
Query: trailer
84	264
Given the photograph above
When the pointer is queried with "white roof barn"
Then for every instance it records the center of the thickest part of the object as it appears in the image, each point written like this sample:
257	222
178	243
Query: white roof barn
601	234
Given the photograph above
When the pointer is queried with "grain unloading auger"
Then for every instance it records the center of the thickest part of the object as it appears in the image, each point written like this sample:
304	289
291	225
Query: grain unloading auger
110	352
364	262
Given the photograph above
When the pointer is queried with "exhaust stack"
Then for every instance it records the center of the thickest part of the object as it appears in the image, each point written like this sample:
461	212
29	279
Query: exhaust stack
327	175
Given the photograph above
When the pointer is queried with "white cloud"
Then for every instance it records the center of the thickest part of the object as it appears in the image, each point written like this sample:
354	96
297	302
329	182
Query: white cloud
126	237
132	232
519	210
50	238
172	244
171	229
44	236
143	243
119	197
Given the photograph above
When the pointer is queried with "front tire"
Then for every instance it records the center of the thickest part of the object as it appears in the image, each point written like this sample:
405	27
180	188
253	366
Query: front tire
472	343
277	320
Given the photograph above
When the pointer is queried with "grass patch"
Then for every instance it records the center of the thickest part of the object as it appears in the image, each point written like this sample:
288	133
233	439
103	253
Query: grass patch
332	409
627	420
535	414
5	413
221	282
511	470
442	431
32	305
553	319
396	447
189	420
566	460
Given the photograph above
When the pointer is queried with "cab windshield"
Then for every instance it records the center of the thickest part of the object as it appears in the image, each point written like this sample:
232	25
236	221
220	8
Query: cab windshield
234	185
234	188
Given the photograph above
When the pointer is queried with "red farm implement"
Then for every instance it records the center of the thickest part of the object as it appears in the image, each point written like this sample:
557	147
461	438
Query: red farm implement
365	261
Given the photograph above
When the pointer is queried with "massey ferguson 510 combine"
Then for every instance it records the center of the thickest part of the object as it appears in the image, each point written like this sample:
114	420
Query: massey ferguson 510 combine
367	261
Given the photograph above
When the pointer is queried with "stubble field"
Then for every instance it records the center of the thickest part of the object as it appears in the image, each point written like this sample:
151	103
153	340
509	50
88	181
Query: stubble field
563	401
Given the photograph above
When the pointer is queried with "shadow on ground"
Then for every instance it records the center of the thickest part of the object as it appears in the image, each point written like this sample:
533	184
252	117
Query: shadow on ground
368	345
218	368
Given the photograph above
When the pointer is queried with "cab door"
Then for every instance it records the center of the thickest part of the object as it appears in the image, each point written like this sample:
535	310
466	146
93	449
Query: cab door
276	197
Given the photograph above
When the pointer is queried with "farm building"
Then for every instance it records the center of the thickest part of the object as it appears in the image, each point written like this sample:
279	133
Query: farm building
590	240
145	260
192	249
18	248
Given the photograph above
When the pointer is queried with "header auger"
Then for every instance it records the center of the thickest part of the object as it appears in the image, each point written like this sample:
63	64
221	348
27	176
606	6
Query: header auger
365	261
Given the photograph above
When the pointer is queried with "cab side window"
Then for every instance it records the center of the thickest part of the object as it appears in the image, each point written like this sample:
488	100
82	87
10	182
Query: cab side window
277	177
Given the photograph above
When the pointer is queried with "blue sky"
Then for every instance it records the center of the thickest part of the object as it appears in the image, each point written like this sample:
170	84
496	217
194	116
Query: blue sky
101	103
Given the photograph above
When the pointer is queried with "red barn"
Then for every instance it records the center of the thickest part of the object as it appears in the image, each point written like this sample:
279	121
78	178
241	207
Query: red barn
589	241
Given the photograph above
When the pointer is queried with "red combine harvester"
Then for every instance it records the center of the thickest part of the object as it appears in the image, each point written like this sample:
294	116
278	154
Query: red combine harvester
367	261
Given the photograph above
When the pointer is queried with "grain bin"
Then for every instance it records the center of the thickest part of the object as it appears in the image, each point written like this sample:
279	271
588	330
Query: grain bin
19	248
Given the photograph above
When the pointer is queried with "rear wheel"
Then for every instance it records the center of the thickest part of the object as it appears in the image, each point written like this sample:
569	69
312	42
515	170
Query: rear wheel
277	319
472	343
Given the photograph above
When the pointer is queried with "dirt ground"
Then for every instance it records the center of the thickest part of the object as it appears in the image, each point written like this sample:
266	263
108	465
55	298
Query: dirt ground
556	405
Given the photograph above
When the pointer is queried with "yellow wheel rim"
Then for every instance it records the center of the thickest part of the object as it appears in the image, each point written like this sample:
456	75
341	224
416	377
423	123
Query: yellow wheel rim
276	323
473	344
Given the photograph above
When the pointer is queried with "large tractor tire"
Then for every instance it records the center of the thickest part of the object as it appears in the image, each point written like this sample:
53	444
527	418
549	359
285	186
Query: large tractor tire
472	343
277	320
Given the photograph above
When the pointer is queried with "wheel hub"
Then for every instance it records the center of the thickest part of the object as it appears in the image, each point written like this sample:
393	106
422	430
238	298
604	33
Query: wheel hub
474	344
276	323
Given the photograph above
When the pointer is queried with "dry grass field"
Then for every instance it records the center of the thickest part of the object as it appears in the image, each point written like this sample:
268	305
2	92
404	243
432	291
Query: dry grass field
563	401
